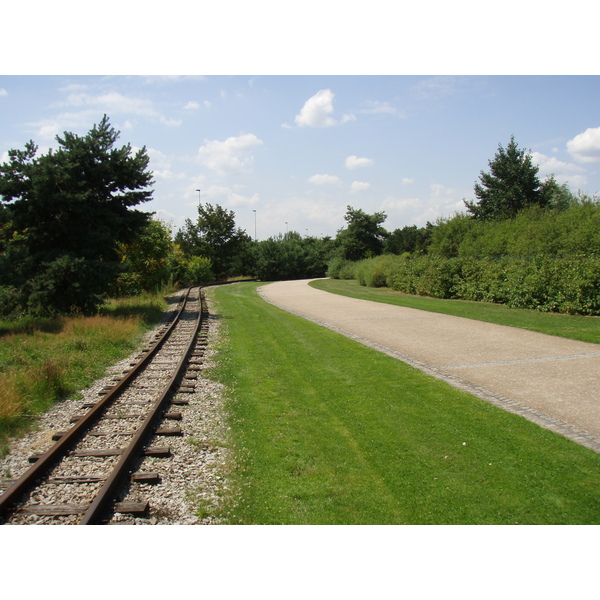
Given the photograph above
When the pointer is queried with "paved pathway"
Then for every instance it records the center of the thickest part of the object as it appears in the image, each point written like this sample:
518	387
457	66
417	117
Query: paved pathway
550	380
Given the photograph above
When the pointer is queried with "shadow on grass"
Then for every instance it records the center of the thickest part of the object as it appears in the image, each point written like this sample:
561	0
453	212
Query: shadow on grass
148	311
29	325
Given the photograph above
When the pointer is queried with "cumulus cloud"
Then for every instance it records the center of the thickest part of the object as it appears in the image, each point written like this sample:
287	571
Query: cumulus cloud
407	181
83	109
353	162
112	102
325	180
3	92
441	201
298	213
233	155
585	147
317	111
562	171
192	105
359	186
227	197
161	165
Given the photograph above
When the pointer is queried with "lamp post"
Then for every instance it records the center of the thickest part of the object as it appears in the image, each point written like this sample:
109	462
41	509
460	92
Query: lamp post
254	211
198	198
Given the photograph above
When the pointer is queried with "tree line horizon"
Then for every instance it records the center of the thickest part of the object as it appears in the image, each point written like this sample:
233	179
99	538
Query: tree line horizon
71	233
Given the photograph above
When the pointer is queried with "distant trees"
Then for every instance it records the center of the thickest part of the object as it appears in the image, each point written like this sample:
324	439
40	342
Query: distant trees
70	233
291	256
215	236
64	215
511	185
363	237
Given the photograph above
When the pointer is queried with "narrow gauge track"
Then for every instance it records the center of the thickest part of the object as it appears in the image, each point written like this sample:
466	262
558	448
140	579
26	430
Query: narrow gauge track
82	476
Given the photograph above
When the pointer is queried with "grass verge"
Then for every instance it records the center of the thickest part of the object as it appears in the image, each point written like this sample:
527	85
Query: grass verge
45	360
575	327
327	431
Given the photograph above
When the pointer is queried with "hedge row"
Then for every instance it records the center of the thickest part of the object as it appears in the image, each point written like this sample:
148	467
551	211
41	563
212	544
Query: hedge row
551	284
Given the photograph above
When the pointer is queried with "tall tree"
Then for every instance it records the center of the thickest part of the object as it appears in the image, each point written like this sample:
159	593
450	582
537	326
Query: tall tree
214	236
511	185
363	237
65	214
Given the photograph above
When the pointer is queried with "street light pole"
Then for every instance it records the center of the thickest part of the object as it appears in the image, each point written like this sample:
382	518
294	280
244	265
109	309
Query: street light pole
254	211
198	198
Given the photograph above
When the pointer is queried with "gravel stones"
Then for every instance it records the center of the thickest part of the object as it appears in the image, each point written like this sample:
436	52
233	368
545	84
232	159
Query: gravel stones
195	472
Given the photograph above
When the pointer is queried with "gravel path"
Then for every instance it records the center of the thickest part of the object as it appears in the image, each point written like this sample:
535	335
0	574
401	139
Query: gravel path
194	476
552	381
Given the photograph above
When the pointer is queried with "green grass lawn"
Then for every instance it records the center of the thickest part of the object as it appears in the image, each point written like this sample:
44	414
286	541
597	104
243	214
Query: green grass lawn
328	431
575	327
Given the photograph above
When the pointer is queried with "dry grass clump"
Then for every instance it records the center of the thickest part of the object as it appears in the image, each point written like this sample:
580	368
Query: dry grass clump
42	365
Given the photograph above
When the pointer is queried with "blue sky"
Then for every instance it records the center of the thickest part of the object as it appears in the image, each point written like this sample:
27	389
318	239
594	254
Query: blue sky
298	149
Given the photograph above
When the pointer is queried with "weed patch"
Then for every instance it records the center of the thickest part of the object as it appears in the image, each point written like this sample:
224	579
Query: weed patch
43	361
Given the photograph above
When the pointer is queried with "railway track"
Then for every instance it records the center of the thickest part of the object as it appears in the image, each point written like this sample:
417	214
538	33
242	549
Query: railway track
86	476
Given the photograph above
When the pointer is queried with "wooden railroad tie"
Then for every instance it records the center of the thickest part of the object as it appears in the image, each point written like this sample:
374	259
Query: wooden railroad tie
61	510
158	451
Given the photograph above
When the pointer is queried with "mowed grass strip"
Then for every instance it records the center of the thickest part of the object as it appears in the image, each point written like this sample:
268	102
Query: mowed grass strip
327	431
575	327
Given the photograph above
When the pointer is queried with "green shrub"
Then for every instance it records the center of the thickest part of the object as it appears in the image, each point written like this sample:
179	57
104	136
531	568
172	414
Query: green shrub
550	284
198	271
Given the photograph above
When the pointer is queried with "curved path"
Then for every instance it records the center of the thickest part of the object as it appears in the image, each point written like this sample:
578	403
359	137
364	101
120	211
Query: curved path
552	381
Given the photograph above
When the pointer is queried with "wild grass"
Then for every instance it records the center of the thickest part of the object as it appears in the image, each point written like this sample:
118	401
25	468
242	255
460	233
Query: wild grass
45	361
575	327
327	431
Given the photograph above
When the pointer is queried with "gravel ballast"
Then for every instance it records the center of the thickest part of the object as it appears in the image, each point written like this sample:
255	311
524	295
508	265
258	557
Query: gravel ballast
193	477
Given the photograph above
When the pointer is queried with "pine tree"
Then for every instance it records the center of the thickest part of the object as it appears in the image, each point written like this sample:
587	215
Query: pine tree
511	185
65	214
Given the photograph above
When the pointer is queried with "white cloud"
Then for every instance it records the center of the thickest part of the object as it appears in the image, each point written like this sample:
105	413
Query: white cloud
562	171
359	186
234	155
353	162
112	102
225	196
407	181
375	107
436	87
317	111
3	92
441	201
316	215
161	165
585	147
193	105
84	109
50	129
325	180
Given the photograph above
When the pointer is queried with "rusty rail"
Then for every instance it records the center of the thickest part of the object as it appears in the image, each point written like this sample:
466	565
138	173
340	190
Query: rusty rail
49	459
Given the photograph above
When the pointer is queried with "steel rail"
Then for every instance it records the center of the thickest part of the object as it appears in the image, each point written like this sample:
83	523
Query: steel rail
21	486
106	494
